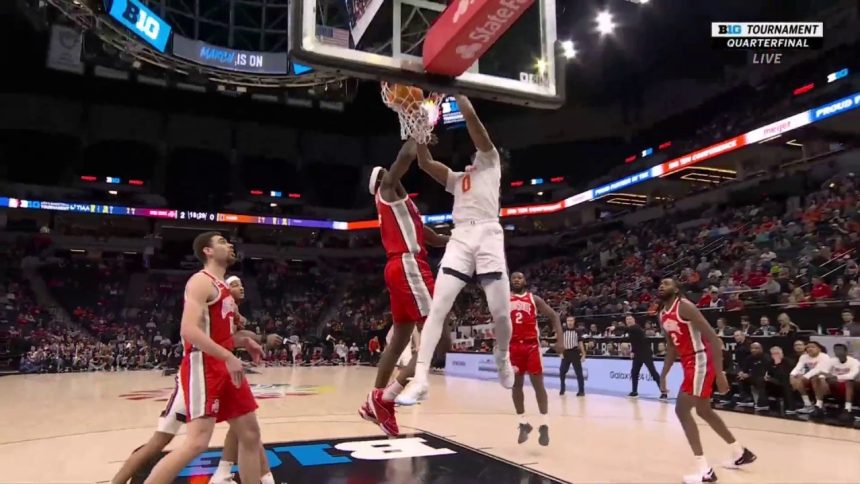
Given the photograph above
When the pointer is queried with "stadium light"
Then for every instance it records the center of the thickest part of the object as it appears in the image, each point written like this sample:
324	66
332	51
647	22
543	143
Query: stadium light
273	204
605	25
112	192
568	50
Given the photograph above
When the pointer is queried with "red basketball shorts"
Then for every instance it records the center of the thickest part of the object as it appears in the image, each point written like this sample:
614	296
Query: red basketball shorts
699	375
410	285
209	392
526	357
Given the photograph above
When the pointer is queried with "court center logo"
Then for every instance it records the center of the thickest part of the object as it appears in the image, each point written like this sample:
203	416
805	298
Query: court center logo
260	391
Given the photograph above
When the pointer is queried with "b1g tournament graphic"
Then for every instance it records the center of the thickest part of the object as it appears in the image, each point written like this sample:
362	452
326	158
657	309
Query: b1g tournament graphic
767	40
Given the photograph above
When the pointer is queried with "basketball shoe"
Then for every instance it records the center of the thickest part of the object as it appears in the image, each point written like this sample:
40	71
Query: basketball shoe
506	371
414	392
384	412
707	476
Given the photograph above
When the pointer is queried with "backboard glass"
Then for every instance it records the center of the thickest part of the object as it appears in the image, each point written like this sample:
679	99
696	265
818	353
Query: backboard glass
386	42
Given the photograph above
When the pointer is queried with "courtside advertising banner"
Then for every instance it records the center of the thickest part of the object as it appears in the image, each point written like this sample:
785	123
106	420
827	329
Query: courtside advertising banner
602	375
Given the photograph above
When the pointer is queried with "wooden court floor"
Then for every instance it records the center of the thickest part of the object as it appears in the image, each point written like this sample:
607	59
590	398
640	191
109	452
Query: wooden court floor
78	428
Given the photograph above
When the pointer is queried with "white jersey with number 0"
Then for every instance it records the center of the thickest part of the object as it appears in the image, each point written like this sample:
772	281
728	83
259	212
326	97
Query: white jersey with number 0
476	190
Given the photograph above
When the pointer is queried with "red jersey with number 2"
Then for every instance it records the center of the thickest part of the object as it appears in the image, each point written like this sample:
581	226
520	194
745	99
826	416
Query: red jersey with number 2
524	317
686	338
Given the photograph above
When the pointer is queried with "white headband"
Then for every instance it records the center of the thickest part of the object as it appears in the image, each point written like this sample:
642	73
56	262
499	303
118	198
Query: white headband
371	186
232	279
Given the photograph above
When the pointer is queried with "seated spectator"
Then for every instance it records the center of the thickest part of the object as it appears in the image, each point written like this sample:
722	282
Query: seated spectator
843	377
849	326
723	329
810	374
765	328
786	327
777	379
751	372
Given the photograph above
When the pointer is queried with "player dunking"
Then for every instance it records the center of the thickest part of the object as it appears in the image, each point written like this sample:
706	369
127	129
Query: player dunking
689	336
174	417
408	278
477	247
526	353
211	376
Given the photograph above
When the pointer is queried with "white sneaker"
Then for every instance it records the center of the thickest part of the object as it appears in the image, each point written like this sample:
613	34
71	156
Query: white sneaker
415	391
224	479
701	477
506	372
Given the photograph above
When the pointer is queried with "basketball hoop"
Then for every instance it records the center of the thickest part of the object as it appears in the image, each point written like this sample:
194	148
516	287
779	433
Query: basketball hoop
418	113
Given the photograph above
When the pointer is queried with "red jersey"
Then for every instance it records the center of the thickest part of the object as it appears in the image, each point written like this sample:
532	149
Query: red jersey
524	317
218	321
401	227
686	338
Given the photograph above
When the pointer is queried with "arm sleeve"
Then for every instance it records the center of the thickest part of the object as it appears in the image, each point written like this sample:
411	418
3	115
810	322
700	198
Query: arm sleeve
453	178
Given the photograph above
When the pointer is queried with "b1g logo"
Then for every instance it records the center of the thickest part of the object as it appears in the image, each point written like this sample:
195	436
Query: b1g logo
135	16
313	454
730	29
146	24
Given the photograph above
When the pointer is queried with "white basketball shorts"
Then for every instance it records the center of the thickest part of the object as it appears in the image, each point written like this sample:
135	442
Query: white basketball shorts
174	415
476	249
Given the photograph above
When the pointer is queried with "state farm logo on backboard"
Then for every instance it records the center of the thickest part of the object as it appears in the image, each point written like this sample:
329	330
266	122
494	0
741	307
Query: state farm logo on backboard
465	30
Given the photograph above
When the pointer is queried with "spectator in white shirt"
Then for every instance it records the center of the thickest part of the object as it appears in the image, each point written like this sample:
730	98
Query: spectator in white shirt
844	370
811	372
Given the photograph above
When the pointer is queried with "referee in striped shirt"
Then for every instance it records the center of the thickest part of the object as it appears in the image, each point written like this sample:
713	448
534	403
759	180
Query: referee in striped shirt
574	354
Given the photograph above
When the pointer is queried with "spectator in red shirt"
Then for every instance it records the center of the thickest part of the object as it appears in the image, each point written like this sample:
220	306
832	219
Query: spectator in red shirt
820	290
734	303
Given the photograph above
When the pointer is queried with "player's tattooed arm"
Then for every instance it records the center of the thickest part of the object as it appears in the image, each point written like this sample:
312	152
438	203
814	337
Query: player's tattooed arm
434	239
554	320
476	128
438	171
401	165
197	293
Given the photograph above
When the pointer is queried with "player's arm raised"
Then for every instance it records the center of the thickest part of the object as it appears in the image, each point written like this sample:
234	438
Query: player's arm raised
554	320
438	171
688	311
401	164
434	239
476	128
197	292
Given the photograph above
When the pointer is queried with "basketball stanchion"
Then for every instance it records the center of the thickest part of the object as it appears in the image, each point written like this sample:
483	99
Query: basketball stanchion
418	112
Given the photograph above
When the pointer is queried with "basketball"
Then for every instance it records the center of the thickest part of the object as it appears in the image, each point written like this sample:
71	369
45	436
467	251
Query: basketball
400	95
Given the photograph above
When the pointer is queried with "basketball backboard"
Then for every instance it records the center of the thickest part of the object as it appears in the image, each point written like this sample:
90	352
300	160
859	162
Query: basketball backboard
386	42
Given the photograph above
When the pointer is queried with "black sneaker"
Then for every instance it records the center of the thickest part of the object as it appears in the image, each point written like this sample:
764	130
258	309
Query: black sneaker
525	430
633	395
845	417
746	458
561	390
543	439
664	396
818	413
580	393
761	407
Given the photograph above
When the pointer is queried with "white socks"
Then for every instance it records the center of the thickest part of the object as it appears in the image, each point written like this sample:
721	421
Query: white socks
702	464
737	449
544	419
521	419
223	472
391	391
806	401
848	406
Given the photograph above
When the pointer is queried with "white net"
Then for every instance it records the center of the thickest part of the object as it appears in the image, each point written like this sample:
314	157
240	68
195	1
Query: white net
418	112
